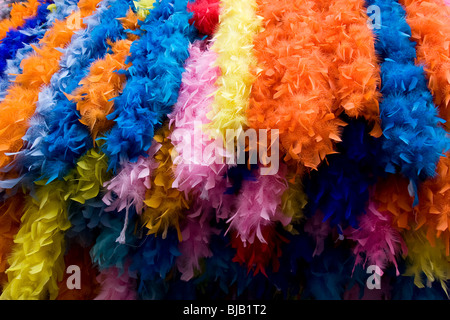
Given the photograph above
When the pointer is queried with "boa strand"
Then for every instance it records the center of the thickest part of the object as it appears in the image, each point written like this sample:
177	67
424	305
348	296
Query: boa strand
16	39
165	205
205	15
341	189
413	139
153	81
433	212
302	111
5	9
38	69
116	285
196	170
377	241
233	41
66	138
259	206
354	72
428	20
293	202
18	15
426	260
37	262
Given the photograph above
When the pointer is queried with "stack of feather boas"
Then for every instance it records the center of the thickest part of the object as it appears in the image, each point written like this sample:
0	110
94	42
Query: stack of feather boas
114	114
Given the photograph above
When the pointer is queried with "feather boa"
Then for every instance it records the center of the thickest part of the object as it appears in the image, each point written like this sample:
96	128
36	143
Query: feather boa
426	260
430	29
233	41
293	202
205	15
116	285
66	138
38	69
258	206
154	259
412	137
354	73
433	212
18	14
37	262
341	189
17	38
165	205
89	286
163	45
302	111
377	241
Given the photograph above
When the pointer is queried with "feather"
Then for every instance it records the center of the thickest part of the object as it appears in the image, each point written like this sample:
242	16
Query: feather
153	82
116	285
19	12
205	15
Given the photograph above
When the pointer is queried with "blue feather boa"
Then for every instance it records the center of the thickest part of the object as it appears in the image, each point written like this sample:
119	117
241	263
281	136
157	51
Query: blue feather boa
153	81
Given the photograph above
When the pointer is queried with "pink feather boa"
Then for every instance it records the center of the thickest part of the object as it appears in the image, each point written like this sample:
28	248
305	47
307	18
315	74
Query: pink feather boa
116	286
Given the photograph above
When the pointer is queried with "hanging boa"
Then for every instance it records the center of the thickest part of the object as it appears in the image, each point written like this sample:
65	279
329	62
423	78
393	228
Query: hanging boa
280	99
413	139
153	81
430	29
233	41
37	260
354	71
38	69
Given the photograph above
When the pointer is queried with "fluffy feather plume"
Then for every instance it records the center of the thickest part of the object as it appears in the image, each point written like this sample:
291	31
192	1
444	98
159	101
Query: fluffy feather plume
433	212
117	285
128	187
165	205
143	8
95	96
19	12
17	38
196	169
428	20
258	206
233	41
413	139
37	262
378	242
391	195
426	260
280	99
89	287
153	81
293	202
354	72
19	104
66	138
205	15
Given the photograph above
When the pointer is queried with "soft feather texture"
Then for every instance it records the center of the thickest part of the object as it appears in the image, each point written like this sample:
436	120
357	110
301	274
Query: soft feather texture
340	188
38	69
205	15
430	29
426	262
37	260
413	138
165	205
116	285
378	242
153	81
302	111
5	8
18	14
233	41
